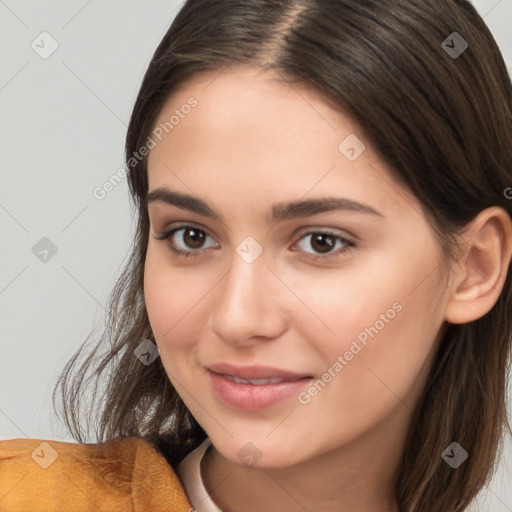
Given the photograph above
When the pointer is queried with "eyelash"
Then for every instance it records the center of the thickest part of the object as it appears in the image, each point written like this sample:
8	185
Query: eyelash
185	254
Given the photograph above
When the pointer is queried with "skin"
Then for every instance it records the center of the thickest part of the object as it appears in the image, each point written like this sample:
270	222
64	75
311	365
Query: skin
252	141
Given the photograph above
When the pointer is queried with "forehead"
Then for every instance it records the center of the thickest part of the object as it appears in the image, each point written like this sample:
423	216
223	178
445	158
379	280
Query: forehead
253	135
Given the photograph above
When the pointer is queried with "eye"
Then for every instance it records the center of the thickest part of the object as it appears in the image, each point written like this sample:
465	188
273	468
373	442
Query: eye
193	238
324	242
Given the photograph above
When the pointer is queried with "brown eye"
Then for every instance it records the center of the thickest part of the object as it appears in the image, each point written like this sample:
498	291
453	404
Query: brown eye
323	244
191	238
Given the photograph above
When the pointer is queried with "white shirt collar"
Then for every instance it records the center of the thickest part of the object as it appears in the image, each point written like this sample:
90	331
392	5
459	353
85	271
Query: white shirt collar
189	471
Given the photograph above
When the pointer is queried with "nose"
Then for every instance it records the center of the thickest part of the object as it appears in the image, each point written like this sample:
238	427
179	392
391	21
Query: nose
250	303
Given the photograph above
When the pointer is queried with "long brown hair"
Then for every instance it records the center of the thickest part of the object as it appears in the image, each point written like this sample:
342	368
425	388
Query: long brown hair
442	122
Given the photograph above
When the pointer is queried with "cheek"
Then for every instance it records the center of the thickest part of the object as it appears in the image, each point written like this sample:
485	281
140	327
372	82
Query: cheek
340	305
381	317
397	348
175	298
401	355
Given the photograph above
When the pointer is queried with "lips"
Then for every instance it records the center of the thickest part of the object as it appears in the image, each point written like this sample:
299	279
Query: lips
252	398
256	372
252	388
254	382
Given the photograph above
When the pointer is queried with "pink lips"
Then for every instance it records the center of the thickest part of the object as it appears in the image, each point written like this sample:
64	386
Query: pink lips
255	372
254	397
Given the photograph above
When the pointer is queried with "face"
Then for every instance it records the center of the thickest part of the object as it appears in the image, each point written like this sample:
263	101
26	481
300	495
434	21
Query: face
348	301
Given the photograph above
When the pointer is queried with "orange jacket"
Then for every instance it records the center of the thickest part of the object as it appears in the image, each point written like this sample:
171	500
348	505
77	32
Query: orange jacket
120	475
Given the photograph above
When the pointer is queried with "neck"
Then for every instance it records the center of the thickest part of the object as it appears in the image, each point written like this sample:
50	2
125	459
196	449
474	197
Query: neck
357	477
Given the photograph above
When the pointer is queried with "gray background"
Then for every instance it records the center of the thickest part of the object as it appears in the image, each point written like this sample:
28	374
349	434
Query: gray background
62	129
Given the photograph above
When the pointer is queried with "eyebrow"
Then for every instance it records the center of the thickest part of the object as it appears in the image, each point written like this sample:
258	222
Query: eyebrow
279	211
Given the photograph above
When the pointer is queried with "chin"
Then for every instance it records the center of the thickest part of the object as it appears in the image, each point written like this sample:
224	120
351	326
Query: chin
263	453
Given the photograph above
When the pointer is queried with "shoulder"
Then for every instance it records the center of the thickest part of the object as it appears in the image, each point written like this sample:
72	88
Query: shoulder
121	474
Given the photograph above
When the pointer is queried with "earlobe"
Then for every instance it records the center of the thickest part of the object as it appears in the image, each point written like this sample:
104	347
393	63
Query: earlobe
479	277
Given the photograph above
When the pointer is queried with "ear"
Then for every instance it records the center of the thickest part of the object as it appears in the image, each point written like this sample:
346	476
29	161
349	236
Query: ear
480	272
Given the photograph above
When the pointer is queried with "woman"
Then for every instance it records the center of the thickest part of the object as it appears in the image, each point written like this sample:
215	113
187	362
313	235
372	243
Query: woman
317	311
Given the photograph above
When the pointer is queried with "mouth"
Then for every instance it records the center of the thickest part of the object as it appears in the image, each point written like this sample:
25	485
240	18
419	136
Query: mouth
256	372
254	394
256	382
